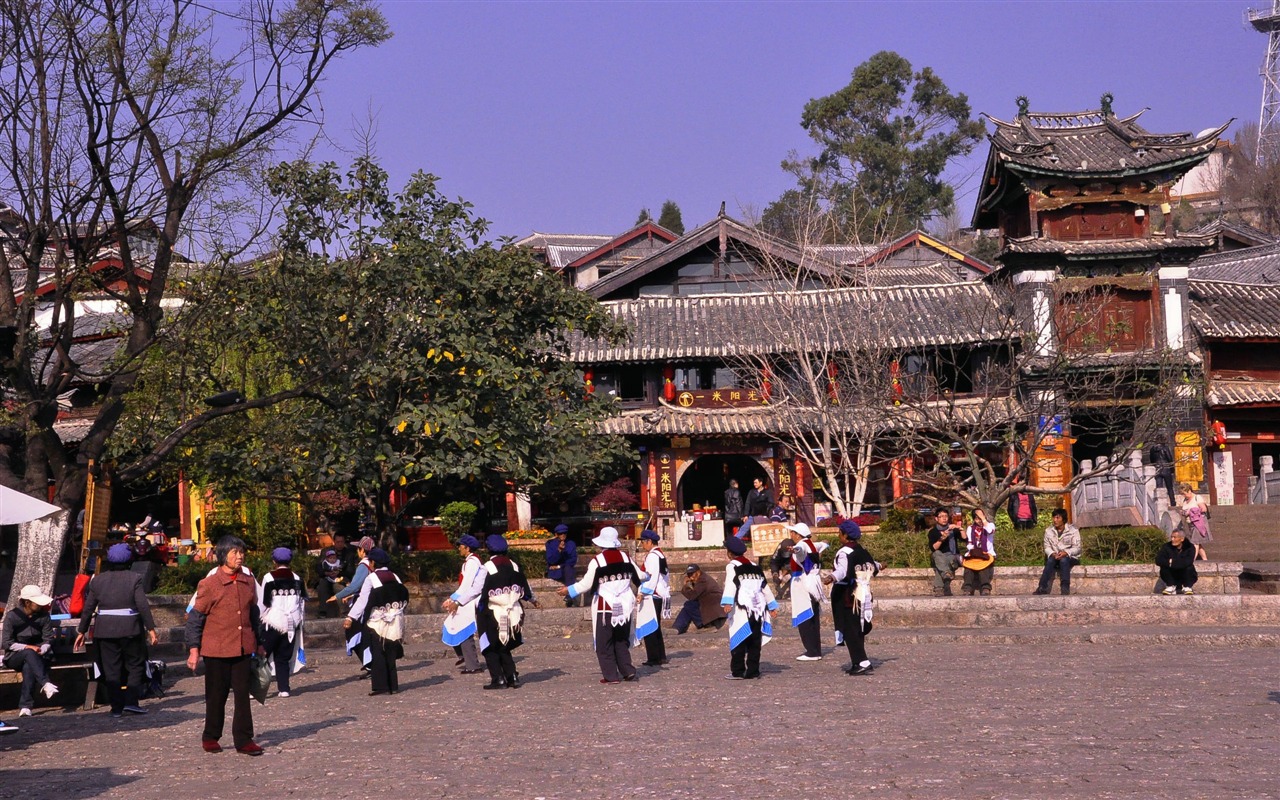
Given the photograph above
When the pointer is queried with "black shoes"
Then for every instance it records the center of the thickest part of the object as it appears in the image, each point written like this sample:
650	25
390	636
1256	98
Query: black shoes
859	670
472	671
514	681
495	685
630	677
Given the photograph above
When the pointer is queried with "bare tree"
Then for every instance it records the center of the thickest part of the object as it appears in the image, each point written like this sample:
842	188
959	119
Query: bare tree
1251	182
132	131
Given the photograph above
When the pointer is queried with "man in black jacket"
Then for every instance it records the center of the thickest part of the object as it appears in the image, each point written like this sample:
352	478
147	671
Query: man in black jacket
944	540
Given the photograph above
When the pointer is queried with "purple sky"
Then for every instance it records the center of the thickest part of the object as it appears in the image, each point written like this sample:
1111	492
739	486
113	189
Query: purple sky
570	117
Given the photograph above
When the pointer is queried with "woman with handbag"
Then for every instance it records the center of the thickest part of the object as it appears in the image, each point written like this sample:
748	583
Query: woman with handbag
1196	512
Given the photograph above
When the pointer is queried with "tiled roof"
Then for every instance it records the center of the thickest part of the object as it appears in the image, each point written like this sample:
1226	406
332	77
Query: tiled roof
1093	143
560	256
72	430
538	240
885	274
1239	393
1257	265
669	420
1222	310
1106	248
1237	231
720	326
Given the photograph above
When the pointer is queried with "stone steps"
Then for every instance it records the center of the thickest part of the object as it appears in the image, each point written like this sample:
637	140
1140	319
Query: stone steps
1245	533
1001	618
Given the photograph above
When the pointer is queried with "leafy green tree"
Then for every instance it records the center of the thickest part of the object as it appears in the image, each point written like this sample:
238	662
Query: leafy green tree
884	141
137	127
670	218
643	217
420	351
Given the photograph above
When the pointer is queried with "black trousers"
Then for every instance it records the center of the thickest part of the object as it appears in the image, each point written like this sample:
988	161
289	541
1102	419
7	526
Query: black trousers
655	649
223	676
840	613
744	660
35	673
502	667
383	654
613	649
280	650
979	579
1179	578
124	668
1164	477
854	640
810	630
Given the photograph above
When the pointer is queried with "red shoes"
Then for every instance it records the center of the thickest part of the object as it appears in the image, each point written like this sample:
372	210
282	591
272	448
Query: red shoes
211	745
250	749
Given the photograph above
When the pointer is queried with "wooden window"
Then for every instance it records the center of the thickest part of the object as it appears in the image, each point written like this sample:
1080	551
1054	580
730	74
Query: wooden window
1103	319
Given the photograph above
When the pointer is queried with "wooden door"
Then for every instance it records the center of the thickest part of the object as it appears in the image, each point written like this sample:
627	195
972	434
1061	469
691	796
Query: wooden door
1241	471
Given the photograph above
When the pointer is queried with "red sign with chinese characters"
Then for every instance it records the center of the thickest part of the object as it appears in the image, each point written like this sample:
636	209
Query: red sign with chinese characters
720	398
666	488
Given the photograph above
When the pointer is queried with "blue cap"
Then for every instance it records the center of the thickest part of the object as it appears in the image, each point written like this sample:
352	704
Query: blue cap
561	529
851	529
496	544
282	555
119	553
470	541
379	557
735	545
651	536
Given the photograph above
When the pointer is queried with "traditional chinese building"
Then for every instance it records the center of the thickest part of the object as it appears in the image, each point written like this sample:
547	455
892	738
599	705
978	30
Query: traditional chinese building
1074	196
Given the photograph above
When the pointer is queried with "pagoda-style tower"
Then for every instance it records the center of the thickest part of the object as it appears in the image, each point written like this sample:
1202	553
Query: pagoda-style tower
1073	196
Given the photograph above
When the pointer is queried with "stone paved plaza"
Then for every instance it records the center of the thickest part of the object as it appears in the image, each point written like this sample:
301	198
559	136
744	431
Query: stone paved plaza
960	719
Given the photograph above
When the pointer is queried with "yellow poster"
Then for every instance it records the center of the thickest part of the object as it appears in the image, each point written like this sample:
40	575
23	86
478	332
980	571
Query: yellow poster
1188	461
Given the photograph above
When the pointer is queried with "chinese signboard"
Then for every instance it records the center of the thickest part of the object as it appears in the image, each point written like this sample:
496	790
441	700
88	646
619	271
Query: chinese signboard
784	478
1188	467
719	398
666	481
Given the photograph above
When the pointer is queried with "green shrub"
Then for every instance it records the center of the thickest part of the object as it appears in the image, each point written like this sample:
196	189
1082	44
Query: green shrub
898	520
456	518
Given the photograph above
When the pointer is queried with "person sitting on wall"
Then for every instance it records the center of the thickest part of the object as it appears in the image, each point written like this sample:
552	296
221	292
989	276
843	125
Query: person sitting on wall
1176	559
782	511
759	506
1062	551
562	559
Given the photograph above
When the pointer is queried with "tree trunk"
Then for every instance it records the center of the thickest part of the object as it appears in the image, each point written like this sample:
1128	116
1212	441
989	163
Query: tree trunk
40	545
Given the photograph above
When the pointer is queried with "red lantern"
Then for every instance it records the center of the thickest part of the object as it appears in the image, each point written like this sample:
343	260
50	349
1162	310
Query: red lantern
833	391
766	384
669	383
589	375
895	382
1219	430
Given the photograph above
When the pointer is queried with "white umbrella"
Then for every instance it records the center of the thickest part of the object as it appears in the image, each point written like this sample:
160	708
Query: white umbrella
17	508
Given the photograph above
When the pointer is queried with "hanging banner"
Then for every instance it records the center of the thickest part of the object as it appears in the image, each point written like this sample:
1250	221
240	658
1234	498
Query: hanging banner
666	497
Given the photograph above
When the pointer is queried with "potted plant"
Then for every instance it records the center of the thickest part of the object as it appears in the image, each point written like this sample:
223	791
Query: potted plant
610	502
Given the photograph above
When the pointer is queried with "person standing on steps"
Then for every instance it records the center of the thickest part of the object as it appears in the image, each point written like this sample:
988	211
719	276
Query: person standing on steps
732	506
806	591
944	546
609	578
1062	551
122	628
500	613
655	592
751	608
1162	460
1196	513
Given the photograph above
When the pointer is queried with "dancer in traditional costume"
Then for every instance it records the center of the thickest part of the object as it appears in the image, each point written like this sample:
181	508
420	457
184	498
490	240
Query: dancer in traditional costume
749	602
379	611
610	577
283	596
500	612
855	622
655	594
459	630
806	591
841	579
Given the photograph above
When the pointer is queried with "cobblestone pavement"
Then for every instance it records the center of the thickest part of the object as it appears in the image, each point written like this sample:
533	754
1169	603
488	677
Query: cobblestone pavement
934	721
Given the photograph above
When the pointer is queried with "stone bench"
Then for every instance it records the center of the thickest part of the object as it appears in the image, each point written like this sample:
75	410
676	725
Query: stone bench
73	670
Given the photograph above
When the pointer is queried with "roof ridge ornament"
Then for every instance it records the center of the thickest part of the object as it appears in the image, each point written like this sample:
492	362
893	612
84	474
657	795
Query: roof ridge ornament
1107	98
1024	105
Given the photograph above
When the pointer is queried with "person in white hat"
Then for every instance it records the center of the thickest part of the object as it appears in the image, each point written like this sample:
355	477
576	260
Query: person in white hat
806	584
27	644
610	576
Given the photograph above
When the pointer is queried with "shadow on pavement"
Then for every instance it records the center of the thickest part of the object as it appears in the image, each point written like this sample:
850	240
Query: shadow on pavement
1274	697
293	732
423	682
541	675
73	784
